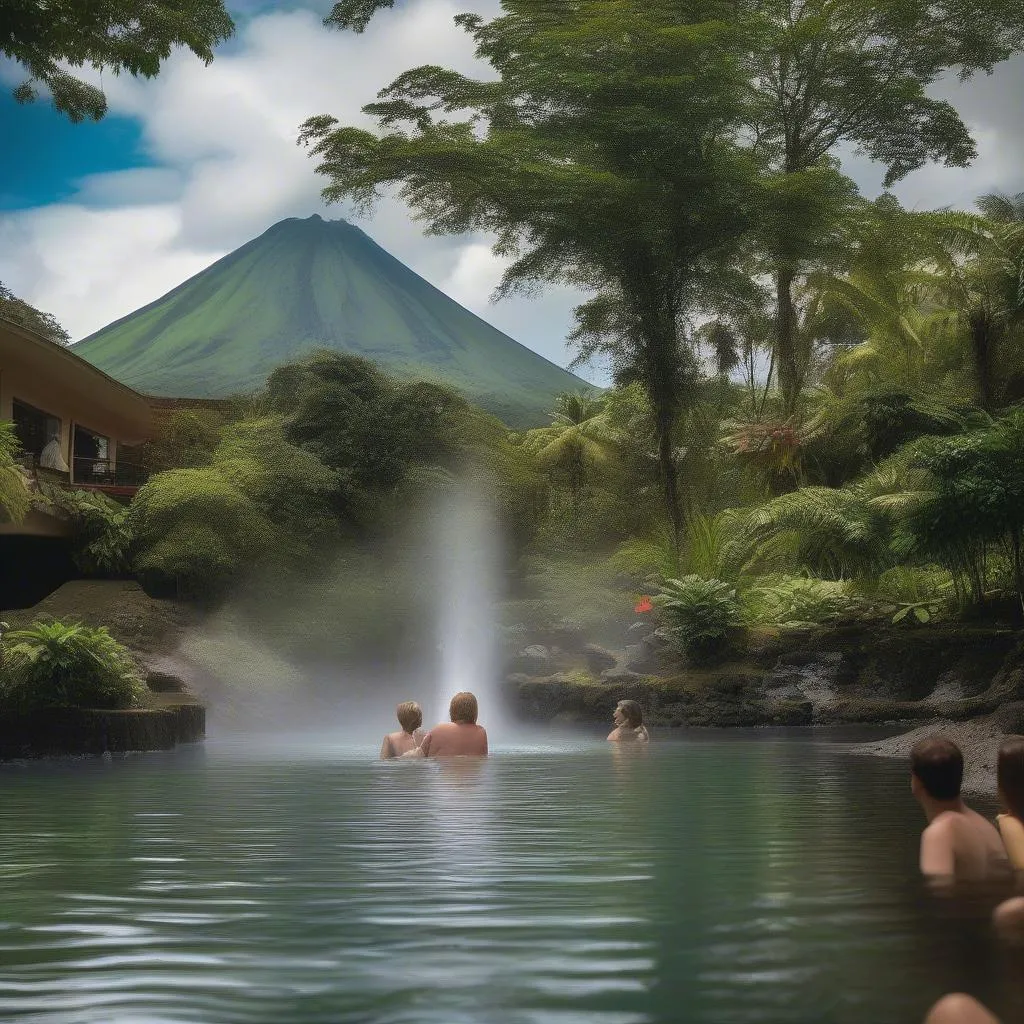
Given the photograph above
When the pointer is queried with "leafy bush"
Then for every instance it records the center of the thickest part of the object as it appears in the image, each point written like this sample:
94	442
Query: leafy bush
786	599
14	496
643	559
196	531
977	500
699	614
185	439
55	664
103	539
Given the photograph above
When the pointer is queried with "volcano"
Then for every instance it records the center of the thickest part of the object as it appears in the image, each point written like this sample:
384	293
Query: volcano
317	284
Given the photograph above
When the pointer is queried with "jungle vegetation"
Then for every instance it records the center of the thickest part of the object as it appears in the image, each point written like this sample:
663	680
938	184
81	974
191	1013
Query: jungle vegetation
818	401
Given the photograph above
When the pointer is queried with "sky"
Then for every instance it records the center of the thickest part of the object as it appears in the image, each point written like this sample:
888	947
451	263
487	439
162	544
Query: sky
98	219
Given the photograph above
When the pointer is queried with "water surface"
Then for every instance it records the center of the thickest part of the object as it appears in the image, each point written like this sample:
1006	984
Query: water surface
714	880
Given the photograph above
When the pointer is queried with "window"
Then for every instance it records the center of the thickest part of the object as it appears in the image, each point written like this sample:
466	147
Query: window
35	428
92	456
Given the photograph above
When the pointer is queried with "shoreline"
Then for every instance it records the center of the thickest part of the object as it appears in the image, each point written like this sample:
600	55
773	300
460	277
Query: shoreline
978	739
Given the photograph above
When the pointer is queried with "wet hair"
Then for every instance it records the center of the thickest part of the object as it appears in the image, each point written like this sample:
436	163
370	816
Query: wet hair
939	766
410	715
463	708
632	712
1010	774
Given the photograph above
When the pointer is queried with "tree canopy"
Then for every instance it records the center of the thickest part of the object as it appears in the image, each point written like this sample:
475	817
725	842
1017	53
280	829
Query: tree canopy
117	35
603	156
20	312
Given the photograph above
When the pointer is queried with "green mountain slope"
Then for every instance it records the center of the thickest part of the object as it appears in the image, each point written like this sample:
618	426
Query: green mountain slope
306	284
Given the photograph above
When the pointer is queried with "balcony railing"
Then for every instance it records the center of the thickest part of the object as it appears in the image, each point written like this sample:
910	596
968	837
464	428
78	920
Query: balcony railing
88	472
101	473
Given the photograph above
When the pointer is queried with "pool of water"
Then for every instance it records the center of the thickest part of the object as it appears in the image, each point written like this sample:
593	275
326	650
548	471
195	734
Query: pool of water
717	879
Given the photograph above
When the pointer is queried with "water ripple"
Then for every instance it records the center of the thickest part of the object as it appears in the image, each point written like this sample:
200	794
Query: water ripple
768	882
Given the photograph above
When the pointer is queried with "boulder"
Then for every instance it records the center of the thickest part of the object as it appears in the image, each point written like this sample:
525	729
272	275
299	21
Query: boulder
620	675
643	657
598	658
534	660
165	682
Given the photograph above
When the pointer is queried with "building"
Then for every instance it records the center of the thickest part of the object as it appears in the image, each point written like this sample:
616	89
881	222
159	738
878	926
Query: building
76	425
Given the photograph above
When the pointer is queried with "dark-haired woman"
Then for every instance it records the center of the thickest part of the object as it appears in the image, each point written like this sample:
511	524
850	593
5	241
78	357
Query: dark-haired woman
1010	778
629	724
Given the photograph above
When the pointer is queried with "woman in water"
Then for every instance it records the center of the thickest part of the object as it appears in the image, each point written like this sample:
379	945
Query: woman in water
1010	780
629	724
398	744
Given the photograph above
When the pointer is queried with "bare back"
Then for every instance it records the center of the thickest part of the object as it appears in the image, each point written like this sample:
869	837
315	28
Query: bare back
396	744
455	739
962	845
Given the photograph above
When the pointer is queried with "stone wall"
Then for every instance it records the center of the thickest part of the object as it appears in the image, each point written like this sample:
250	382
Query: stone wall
865	672
73	731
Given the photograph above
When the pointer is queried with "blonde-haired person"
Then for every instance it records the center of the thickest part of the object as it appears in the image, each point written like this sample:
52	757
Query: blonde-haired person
629	724
408	739
461	737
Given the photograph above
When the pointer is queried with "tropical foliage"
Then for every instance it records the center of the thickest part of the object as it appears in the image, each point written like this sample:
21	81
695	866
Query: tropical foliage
20	312
131	35
699	614
54	664
103	536
14	493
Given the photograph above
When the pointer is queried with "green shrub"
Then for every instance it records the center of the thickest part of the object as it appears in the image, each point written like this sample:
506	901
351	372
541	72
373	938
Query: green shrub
103	535
14	495
699	614
785	599
643	559
196	530
56	664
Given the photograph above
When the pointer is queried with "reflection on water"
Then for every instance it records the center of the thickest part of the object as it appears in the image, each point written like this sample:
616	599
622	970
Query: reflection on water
771	881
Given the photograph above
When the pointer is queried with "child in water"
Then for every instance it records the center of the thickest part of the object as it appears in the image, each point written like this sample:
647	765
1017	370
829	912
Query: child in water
398	744
629	724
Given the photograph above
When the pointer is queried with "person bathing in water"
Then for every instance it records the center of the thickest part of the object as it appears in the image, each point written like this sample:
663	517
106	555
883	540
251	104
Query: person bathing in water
408	740
958	843
1010	783
629	724
459	737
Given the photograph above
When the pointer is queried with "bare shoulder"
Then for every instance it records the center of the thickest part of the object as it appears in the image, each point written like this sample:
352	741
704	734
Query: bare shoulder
981	822
942	825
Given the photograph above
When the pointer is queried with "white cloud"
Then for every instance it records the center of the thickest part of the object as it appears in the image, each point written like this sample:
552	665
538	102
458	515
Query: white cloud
224	137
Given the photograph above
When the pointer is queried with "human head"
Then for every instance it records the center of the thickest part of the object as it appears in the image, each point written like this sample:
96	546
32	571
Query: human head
1010	775
937	768
631	712
410	715
463	708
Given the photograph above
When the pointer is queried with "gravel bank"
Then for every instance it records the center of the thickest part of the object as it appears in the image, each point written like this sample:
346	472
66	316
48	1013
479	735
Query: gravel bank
978	738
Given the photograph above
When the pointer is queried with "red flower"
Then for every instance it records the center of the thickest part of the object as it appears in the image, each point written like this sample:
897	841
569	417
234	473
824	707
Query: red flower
644	605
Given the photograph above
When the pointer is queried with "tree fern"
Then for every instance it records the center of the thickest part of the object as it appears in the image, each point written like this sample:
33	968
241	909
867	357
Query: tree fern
14	490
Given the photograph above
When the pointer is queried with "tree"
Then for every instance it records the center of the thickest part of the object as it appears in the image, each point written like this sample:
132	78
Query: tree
603	155
576	442
832	72
977	500
20	312
119	35
980	274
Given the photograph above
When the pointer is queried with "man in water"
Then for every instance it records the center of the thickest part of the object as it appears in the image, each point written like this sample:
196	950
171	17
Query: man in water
958	843
459	737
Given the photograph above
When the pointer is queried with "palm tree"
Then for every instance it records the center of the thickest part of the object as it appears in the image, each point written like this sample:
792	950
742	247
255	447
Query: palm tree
577	442
980	271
